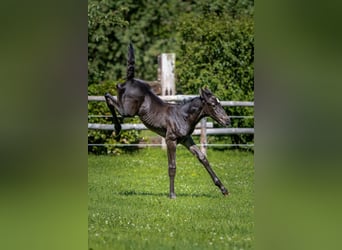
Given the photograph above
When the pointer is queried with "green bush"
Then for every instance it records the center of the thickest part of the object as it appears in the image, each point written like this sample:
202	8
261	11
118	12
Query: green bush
107	136
218	51
152	27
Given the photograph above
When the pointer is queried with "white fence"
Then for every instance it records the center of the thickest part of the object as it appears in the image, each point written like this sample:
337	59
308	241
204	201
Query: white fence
203	128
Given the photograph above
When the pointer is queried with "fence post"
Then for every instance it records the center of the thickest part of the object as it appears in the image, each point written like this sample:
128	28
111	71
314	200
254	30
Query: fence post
166	74
203	139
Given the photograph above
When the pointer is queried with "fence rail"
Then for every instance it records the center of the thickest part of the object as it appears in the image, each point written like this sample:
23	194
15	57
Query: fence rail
210	130
128	126
179	98
159	145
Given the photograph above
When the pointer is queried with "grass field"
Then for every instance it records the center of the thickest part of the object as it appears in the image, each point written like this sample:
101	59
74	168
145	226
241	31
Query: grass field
129	207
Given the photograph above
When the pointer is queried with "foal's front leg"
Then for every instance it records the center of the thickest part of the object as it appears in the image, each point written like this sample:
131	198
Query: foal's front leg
189	144
171	154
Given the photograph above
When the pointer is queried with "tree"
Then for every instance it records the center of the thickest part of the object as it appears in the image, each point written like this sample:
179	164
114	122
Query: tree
103	20
113	24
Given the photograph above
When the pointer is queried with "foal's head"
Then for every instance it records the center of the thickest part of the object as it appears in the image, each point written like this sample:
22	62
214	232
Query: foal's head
213	108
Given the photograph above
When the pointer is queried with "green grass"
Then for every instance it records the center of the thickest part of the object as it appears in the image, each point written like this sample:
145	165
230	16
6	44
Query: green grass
129	206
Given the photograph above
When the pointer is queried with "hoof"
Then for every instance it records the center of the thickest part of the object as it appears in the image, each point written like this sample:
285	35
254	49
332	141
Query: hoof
225	192
172	196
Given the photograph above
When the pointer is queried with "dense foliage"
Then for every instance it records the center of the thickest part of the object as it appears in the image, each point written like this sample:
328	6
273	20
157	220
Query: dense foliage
218	51
148	24
213	42
152	26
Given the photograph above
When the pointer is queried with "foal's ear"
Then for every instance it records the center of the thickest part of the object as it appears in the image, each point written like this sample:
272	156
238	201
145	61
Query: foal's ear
204	93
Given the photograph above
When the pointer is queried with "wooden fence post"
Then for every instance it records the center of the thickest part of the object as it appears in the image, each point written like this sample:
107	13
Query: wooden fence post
166	74
203	139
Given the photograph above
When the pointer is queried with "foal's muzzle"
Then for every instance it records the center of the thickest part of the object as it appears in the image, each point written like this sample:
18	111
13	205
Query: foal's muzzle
224	121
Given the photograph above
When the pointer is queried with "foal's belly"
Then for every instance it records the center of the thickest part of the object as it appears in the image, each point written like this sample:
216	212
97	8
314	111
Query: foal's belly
159	130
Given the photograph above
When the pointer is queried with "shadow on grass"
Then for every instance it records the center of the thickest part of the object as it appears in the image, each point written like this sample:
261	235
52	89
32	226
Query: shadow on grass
141	193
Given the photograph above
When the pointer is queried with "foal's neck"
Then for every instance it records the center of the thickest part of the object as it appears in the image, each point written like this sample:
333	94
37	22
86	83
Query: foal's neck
195	110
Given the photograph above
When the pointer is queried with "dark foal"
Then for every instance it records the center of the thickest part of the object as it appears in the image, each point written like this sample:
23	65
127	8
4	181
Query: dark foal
174	122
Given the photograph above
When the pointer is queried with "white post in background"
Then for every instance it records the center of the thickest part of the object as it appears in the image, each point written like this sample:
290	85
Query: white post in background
166	74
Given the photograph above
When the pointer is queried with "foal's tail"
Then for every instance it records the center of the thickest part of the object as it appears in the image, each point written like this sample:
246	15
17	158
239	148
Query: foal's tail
130	62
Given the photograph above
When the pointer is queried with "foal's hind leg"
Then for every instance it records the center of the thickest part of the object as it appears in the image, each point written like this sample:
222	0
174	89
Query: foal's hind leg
171	154
112	105
189	144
